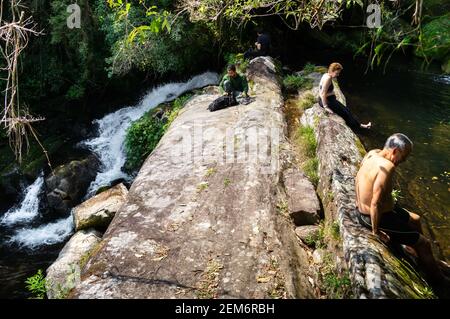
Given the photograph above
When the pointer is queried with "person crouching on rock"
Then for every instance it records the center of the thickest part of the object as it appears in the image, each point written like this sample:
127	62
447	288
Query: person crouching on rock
327	98
378	212
262	46
234	84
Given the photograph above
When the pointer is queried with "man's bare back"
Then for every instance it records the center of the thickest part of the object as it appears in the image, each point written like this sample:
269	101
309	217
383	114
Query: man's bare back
374	169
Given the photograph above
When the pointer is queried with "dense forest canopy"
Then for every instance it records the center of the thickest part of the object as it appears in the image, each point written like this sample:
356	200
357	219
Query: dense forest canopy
164	38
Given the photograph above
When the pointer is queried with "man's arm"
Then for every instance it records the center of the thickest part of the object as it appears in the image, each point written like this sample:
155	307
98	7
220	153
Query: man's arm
379	187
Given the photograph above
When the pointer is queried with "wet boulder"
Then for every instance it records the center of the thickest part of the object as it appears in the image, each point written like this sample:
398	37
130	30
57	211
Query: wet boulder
98	211
68	183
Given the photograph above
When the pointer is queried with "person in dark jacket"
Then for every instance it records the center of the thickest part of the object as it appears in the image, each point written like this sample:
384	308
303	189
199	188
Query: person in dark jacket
262	46
233	83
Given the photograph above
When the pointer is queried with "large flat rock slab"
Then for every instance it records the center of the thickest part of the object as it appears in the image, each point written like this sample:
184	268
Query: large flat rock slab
200	218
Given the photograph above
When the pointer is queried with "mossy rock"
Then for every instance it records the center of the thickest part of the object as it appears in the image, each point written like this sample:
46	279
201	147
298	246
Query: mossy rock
436	39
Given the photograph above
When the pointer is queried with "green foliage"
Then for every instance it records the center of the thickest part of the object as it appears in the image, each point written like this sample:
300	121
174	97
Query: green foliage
396	195
309	68
226	182
317	240
296	82
435	39
305	139
282	207
337	286
148	37
335	283
144	134
308	140
210	172
238	60
335	230
36	285
75	92
78	54
306	101
202	186
310	168
293	13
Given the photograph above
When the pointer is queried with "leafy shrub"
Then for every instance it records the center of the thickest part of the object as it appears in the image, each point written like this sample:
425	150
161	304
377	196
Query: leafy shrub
296	82
36	285
435	38
309	68
310	168
306	101
308	140
238	59
317	240
336	283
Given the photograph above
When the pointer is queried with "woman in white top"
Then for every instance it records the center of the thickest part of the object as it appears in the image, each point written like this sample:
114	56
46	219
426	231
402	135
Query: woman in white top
327	98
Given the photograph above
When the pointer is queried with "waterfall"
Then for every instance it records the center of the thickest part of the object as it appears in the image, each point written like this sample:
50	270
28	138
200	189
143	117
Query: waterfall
47	234
28	208
109	144
27	211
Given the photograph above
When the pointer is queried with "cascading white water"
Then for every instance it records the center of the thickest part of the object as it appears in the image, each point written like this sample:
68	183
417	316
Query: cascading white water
26	212
47	234
28	208
109	145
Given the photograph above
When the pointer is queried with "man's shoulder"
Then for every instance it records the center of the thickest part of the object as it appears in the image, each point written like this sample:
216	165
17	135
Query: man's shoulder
373	157
374	151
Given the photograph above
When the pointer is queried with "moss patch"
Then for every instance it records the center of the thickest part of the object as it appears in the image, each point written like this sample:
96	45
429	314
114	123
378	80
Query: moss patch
207	287
362	151
306	101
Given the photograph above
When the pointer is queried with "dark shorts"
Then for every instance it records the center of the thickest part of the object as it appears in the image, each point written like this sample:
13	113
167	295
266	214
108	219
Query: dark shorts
395	224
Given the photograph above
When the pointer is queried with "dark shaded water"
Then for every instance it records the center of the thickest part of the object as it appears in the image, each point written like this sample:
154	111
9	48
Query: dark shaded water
418	105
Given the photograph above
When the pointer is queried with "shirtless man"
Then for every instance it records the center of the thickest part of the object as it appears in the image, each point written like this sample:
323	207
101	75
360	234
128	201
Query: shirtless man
377	210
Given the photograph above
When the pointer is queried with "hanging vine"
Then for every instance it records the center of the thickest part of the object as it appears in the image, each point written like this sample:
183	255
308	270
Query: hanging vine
15	34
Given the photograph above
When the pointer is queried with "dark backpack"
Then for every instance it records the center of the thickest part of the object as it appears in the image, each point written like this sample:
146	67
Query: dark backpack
222	102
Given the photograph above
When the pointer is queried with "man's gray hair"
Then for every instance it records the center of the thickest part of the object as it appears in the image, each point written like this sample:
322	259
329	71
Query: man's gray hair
398	140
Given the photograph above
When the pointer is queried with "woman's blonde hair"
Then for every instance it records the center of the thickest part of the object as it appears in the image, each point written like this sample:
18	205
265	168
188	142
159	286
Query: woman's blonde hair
335	66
